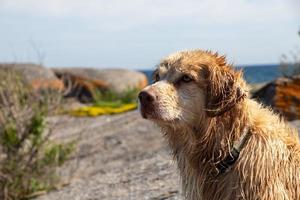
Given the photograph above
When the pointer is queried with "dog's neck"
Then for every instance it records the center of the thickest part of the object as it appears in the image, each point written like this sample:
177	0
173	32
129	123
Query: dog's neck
210	137
202	146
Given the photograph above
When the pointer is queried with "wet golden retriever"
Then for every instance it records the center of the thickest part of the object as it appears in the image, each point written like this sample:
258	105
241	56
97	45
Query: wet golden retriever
227	146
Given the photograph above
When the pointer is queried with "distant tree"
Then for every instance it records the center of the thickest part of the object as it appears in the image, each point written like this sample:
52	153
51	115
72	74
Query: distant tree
290	63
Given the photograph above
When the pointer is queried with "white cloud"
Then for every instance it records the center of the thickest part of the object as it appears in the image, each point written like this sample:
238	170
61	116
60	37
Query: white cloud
153	10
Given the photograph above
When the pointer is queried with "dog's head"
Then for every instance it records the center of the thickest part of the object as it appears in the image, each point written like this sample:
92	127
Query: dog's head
190	85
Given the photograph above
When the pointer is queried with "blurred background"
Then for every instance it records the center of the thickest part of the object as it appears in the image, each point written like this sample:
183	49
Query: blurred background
136	34
70	71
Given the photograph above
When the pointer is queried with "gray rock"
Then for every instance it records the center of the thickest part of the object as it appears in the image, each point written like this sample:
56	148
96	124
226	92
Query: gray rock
118	80
283	95
117	157
37	76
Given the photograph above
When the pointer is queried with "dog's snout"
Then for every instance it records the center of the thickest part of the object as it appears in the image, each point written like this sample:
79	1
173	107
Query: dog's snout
146	97
147	100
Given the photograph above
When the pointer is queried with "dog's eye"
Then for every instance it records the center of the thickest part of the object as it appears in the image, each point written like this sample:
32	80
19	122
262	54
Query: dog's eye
156	77
186	78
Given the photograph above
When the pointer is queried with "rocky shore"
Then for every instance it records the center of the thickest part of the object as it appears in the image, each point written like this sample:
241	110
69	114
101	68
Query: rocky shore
122	156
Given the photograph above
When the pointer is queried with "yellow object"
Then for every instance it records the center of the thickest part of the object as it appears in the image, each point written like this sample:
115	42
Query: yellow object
93	111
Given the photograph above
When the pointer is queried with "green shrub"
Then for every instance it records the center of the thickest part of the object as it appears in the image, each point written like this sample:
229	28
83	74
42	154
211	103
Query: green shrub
112	99
128	96
28	159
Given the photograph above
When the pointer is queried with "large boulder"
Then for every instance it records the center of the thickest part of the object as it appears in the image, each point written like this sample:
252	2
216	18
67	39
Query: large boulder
83	81
36	76
283	95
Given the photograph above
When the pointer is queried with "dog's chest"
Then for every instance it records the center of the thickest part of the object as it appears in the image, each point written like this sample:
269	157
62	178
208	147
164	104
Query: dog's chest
200	184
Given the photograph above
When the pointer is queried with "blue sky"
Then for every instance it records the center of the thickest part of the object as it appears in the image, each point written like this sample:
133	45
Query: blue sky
137	33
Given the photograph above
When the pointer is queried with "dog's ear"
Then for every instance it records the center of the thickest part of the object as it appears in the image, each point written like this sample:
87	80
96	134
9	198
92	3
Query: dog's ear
222	89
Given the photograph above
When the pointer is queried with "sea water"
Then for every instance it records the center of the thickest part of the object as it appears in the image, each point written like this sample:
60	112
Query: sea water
252	74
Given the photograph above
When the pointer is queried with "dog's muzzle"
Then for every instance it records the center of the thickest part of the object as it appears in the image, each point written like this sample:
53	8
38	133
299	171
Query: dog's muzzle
147	100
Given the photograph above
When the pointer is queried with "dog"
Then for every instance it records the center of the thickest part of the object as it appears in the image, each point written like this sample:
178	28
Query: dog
226	145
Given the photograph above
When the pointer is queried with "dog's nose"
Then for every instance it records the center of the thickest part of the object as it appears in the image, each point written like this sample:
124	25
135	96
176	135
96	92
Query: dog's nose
146	97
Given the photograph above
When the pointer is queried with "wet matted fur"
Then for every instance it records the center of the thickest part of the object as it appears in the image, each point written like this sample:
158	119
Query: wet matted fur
202	105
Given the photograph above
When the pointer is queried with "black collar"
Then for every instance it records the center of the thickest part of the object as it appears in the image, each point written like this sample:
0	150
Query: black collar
225	164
